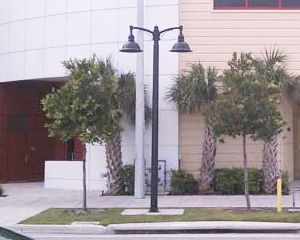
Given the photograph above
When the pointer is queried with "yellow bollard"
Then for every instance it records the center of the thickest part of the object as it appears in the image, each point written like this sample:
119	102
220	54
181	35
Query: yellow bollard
279	195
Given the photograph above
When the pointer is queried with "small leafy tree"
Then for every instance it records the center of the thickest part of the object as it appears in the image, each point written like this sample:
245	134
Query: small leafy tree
193	92
84	107
247	107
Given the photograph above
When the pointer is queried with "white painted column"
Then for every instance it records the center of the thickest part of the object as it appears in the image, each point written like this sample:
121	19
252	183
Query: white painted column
139	184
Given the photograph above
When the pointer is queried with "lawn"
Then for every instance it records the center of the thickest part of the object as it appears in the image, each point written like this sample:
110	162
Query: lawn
113	216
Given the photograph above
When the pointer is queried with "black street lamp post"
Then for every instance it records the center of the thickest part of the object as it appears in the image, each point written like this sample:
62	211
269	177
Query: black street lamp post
132	47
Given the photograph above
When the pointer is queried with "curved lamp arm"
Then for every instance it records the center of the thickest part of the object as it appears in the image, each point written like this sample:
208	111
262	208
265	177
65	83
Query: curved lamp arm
151	32
140	28
170	29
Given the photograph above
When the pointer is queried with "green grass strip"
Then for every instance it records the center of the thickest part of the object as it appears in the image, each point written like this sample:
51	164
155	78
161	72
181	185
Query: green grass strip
113	216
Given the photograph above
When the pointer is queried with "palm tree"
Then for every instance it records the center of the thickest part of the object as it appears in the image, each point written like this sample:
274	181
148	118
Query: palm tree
123	94
192	92
271	67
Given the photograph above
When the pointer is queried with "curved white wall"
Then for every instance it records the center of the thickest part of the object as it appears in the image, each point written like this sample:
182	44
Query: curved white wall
37	35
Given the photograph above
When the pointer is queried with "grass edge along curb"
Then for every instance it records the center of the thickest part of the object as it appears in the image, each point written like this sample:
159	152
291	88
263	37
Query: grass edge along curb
113	216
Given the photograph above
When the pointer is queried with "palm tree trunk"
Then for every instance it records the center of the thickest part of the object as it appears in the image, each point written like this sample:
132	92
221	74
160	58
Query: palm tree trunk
84	202
246	178
208	161
269	167
114	163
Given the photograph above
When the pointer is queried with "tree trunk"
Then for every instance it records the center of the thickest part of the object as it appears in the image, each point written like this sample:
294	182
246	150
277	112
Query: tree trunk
246	179
114	163
84	202
270	169
208	161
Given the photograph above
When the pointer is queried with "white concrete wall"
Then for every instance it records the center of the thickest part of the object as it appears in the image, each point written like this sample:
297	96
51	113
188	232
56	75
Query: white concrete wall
37	35
63	174
68	174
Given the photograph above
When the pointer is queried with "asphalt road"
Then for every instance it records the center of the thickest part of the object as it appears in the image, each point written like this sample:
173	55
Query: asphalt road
173	237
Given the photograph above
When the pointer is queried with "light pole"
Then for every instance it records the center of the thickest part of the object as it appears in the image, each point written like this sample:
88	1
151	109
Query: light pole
132	47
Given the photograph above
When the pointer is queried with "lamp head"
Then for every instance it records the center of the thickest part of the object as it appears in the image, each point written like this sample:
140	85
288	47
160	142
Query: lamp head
131	46
180	46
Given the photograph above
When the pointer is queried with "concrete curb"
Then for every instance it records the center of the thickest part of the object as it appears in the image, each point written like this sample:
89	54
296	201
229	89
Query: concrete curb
214	226
162	227
60	229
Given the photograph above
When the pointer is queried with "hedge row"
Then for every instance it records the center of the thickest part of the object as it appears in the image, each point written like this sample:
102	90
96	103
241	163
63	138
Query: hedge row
226	181
231	181
183	183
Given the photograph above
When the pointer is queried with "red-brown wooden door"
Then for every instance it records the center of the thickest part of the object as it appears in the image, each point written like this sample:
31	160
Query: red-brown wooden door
24	151
18	157
40	150
3	161
24	144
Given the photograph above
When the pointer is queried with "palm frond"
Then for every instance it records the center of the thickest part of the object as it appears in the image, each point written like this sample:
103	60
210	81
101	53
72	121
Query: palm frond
292	87
194	89
272	66
273	56
127	97
148	109
126	94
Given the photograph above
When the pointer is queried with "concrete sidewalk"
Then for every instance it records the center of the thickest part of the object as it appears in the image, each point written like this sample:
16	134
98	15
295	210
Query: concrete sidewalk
27	199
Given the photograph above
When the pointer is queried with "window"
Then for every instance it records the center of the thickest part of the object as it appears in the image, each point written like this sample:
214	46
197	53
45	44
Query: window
17	124
229	3
263	3
291	3
257	4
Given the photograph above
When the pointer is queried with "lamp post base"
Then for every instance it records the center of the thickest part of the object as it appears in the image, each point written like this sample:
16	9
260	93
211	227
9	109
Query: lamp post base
153	210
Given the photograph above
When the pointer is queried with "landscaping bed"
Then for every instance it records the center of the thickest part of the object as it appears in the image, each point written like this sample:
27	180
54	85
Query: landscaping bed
113	216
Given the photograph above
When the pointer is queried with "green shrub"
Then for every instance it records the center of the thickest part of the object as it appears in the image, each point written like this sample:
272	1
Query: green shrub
255	181
126	179
285	182
183	183
219	183
231	181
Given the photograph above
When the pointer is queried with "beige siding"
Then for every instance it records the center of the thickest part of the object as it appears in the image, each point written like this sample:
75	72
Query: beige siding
213	37
286	141
296	163
191	129
229	153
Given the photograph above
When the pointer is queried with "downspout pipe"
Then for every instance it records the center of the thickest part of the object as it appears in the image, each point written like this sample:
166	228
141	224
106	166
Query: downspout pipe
139	184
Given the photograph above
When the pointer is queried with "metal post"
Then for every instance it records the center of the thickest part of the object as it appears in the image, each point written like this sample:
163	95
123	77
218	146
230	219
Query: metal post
294	201
154	158
132	47
139	183
279	195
